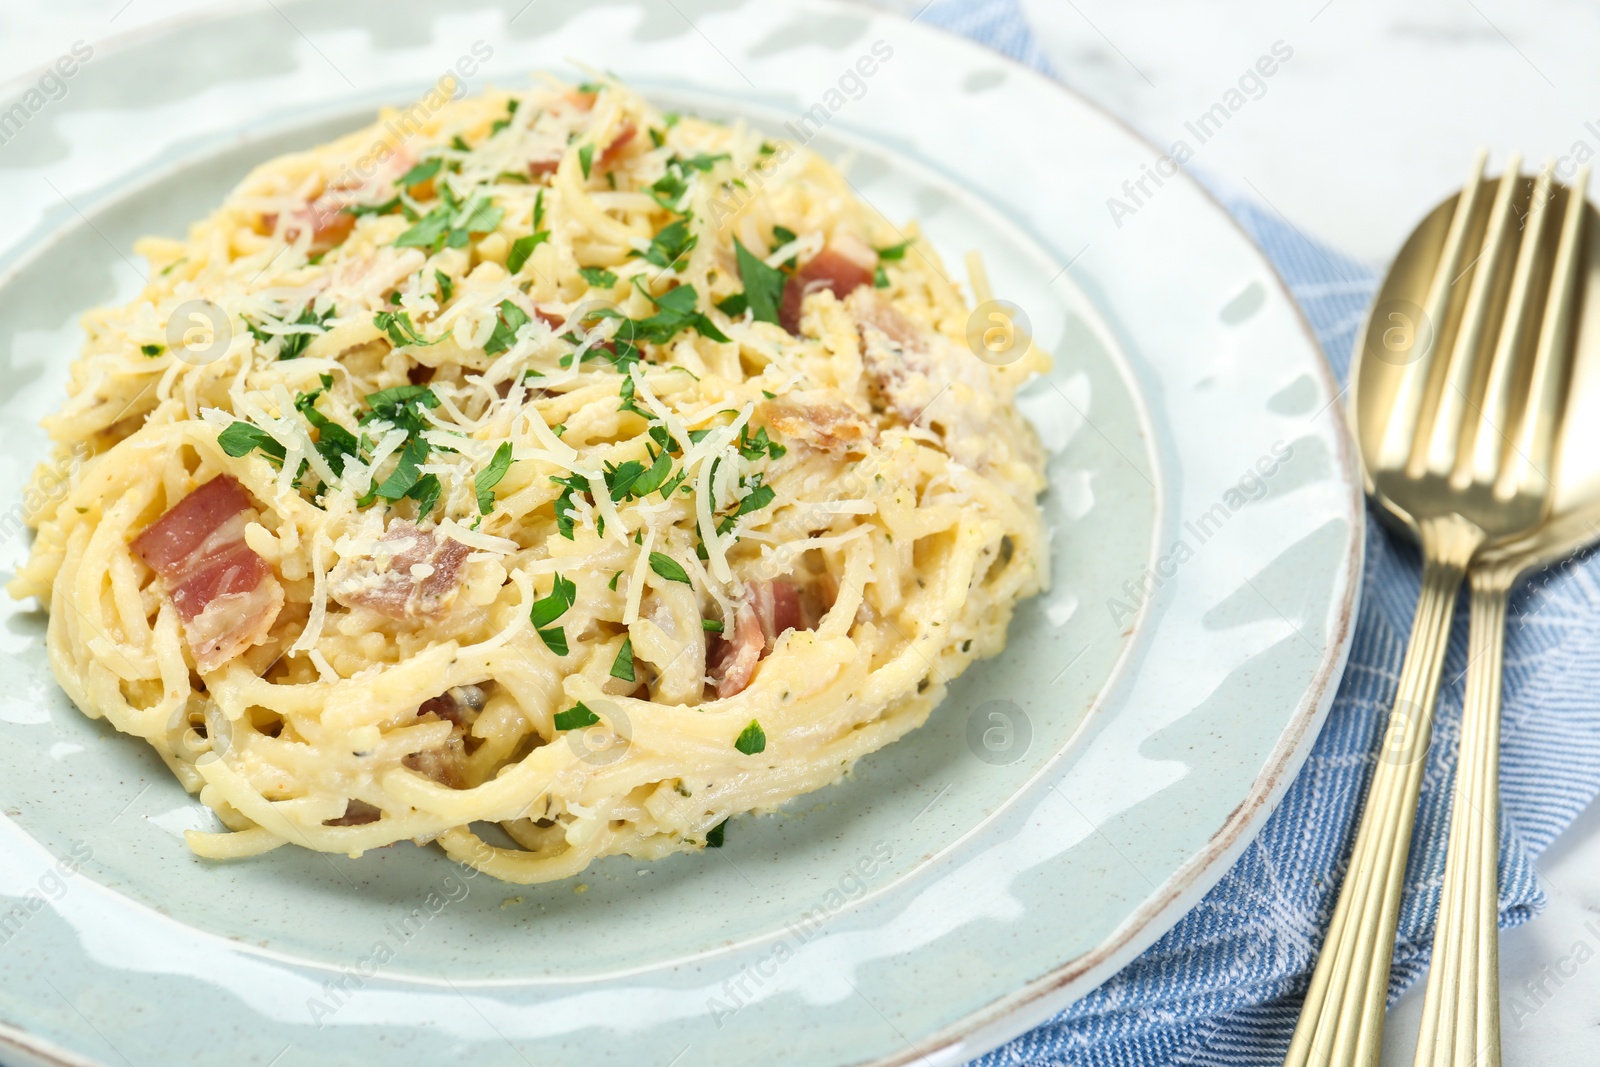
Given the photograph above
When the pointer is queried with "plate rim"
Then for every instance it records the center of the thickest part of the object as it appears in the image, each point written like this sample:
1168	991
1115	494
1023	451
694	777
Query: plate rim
1007	1017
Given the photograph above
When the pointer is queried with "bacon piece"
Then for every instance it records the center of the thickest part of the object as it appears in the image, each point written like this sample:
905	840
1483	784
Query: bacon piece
819	421
455	704
733	657
325	217
409	573
356	813
537	168
767	611
327	220
625	133
445	764
844	265
225	594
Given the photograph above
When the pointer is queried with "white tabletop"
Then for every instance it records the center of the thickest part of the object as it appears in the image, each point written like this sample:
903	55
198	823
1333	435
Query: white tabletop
1369	120
1373	120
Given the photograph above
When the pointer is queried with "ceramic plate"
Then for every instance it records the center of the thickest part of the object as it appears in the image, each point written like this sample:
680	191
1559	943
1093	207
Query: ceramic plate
1068	802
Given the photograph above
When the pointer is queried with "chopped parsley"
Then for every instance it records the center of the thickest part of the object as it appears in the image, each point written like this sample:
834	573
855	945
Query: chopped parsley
500	124
452	224
387	207
622	666
523	247
401	406
291	345
572	484
668	568
426	494
763	285
670	244
576	717
713	626
485	480
404	480
670	188
334	442
152	350
422	172
714	836
447	287
620	479
895	251
398	325
511	319
758	498
678	309
752	740
752	448
653	478
241	437
598	277
546	610
586	159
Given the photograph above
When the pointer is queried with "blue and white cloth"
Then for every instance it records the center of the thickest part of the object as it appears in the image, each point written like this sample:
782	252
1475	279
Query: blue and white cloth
1224	986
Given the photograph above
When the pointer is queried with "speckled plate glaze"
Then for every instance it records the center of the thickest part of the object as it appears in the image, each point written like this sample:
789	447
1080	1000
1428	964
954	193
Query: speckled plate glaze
1059	812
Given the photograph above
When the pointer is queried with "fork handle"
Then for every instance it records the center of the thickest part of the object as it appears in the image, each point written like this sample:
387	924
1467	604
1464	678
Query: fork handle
1341	1022
1461	1013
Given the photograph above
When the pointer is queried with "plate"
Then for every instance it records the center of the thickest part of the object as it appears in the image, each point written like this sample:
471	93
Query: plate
1064	807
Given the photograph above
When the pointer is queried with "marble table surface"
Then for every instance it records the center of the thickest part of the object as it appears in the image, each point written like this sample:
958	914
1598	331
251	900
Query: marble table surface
1370	121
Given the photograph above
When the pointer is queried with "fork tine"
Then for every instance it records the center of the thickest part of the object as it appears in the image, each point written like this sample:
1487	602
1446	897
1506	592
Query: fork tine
1529	463
1494	429
1440	444
1400	428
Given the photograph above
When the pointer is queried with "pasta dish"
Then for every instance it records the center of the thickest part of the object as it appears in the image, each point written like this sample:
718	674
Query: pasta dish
552	479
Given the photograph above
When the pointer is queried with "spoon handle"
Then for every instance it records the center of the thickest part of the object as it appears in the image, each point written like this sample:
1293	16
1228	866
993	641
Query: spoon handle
1341	1022
1461	1014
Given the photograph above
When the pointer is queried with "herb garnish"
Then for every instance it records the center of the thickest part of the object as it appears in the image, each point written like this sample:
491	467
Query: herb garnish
576	717
622	666
546	610
484	481
752	740
763	285
523	247
668	568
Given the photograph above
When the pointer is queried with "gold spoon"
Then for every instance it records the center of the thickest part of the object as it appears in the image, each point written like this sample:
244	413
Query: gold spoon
1450	405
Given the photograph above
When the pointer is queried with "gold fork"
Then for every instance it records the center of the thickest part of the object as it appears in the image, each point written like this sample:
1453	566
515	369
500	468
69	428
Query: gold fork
1461	1012
1443	383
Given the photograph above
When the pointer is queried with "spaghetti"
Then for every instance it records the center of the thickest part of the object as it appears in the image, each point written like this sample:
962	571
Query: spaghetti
567	466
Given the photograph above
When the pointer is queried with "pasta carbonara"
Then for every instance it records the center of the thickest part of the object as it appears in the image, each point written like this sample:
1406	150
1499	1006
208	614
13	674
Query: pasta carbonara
553	463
